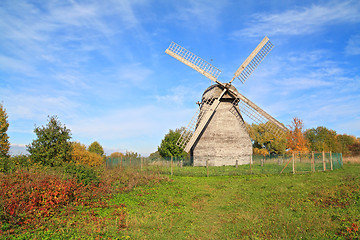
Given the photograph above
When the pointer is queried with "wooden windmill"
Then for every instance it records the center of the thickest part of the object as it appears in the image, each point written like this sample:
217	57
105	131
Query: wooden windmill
217	132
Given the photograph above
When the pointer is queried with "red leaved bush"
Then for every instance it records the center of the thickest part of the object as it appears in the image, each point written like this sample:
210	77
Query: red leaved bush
28	197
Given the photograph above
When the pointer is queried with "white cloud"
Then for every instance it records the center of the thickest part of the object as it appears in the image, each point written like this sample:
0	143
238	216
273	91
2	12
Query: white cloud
302	21
17	149
200	12
353	45
37	107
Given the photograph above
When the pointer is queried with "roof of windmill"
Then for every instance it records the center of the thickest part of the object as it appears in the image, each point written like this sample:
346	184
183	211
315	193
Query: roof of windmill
215	90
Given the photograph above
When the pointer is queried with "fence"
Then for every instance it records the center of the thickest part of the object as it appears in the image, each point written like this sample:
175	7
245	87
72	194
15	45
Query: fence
259	164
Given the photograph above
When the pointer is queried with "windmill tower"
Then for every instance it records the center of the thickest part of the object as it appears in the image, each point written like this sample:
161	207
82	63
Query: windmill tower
217	132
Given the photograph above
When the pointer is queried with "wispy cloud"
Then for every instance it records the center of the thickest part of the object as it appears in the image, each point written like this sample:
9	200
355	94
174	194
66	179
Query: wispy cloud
195	13
353	45
302	20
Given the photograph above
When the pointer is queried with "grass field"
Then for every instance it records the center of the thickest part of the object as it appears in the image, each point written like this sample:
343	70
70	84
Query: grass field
321	205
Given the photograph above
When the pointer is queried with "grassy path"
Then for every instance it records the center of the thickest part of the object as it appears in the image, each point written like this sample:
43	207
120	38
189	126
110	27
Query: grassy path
320	205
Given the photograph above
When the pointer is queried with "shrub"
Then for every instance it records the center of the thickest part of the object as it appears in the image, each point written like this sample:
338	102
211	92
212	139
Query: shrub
81	156
13	163
83	174
29	197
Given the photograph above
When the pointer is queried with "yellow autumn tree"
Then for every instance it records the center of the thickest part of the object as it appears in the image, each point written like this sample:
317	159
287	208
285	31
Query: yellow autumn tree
83	157
260	151
116	155
296	140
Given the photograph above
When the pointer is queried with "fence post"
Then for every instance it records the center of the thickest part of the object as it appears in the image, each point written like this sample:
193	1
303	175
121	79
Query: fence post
121	161
324	163
251	164
331	161
141	163
293	160
181	163
312	161
207	167
171	165
237	163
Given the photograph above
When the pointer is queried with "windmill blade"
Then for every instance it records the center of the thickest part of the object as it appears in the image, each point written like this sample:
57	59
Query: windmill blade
187	133
201	123
193	61
258	115
253	60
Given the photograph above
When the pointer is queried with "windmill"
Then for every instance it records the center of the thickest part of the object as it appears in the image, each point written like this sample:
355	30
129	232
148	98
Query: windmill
217	132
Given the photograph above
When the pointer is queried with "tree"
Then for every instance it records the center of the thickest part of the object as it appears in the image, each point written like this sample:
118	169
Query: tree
168	145
132	155
322	139
4	138
344	142
295	137
83	157
264	141
154	155
52	146
355	149
116	155
95	147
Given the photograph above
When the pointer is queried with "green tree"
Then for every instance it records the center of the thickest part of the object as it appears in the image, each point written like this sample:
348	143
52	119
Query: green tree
4	138
322	139
132	155
168	145
265	141
52	146
154	155
95	147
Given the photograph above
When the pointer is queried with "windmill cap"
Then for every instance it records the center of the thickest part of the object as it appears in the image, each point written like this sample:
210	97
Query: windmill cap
215	91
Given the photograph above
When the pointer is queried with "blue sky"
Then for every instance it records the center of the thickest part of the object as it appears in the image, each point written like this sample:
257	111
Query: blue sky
101	67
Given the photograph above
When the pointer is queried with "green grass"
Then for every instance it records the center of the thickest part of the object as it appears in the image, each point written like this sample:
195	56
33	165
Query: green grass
321	205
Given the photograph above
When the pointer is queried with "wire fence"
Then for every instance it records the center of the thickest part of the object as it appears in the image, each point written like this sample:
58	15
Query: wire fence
259	164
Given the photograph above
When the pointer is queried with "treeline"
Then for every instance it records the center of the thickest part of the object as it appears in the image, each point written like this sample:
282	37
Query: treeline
297	139
52	147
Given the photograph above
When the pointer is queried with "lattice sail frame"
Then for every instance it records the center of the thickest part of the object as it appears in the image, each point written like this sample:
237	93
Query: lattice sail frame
253	60
257	118
193	61
190	129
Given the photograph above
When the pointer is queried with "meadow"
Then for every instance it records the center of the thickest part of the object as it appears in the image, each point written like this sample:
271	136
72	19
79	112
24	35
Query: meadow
142	205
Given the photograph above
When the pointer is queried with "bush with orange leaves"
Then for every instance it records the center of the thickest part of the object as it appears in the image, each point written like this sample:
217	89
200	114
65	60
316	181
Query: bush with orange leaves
82	156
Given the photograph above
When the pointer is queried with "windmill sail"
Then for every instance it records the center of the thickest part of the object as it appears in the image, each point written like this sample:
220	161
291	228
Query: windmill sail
202	122
193	61
190	129
253	60
259	116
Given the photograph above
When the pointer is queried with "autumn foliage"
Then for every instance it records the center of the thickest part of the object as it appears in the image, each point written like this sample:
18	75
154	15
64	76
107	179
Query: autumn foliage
29	197
83	157
295	138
